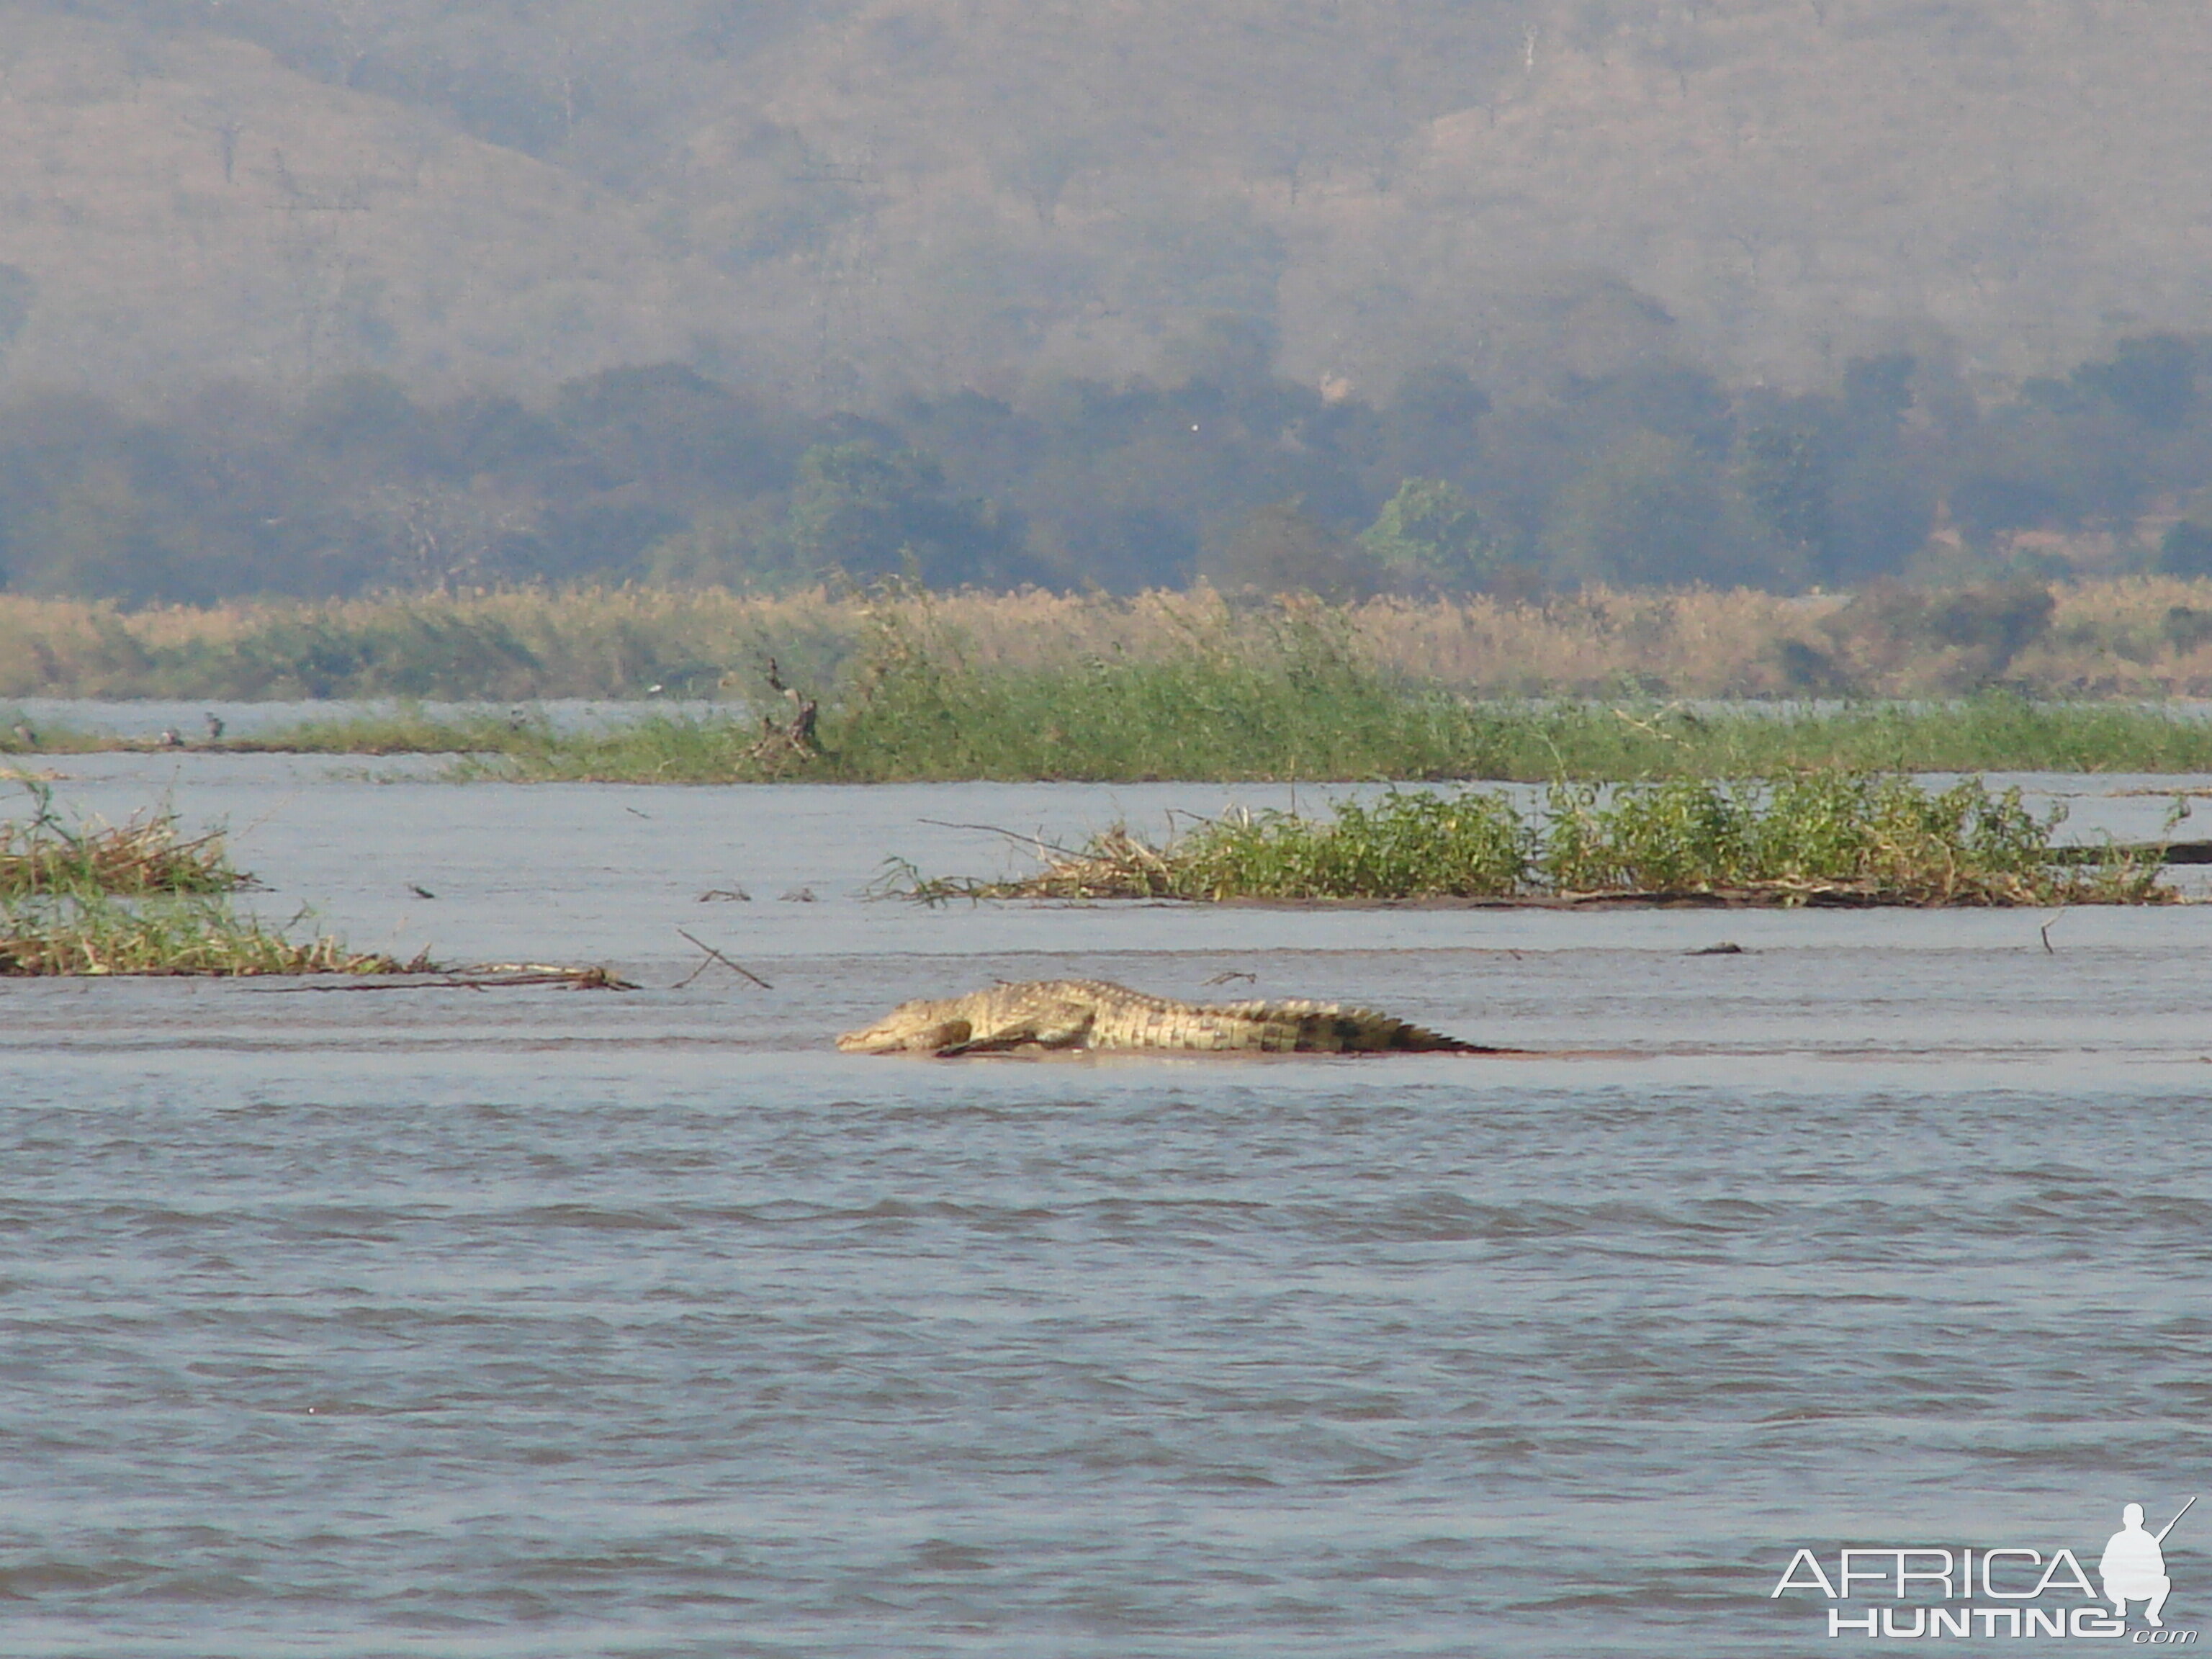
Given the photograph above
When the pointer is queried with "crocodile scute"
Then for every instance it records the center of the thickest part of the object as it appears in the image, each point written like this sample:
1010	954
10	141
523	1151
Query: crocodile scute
1094	1014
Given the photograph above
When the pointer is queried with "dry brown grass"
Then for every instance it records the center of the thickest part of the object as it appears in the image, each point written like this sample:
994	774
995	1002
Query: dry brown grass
2128	636
2134	636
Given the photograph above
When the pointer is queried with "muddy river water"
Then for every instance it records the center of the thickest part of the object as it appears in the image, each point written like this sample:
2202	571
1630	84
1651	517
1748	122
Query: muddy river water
539	1323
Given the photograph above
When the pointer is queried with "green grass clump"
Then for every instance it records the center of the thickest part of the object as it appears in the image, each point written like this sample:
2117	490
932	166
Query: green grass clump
1813	838
1834	836
1464	846
97	934
142	898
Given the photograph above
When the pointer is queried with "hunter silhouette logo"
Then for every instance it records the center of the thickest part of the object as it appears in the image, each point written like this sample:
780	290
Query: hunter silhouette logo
2133	1565
2004	1592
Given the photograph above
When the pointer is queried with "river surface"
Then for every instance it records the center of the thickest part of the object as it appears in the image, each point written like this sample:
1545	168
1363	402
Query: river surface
541	1322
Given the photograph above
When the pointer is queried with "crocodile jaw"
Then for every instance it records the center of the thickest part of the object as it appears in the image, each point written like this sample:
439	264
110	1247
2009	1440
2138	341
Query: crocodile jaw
913	1028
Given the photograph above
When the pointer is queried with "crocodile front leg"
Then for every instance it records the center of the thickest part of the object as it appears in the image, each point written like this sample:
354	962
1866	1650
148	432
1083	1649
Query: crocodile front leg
1055	1025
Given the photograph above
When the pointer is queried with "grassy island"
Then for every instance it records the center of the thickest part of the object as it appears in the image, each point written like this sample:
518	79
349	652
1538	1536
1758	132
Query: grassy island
1822	838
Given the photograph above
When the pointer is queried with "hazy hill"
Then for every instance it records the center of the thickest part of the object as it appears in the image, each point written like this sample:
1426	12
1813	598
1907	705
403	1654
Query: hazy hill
186	202
856	199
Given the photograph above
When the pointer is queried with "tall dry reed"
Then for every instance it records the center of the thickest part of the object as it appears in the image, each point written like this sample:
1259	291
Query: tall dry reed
2136	637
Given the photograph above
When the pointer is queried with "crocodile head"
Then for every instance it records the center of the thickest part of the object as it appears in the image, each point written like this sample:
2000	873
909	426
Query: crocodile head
911	1028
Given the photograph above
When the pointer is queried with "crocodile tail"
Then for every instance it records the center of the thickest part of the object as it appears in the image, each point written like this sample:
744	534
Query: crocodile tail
1363	1031
1329	1028
1420	1039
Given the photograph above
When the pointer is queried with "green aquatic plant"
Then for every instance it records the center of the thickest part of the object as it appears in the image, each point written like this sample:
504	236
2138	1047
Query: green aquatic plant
93	934
1831	835
1809	838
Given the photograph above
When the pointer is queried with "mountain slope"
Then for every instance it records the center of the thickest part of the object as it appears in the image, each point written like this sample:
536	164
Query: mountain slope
855	199
187	205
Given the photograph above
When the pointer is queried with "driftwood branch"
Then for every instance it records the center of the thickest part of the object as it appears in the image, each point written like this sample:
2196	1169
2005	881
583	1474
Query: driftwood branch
992	829
492	976
794	739
716	956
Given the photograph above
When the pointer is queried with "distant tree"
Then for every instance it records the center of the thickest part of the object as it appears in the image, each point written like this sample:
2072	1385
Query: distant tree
1575	323
1283	549
2153	377
743	549
1651	510
668	424
1986	505
1430	425
480	434
369	419
2186	550
441	535
1670	399
1441	395
1788	473
1877	391
1232	353
1884	501
88	507
1833	479
1429	535
870	511
606	538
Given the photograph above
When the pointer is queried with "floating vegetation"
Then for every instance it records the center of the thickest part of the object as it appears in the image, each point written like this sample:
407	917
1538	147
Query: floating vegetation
94	935
141	897
1813	838
150	854
422	975
95	899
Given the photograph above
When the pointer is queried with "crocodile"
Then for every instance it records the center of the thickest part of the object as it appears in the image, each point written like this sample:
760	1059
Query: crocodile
1092	1014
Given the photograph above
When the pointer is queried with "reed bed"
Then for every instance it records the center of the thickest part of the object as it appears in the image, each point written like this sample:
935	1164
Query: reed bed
1189	686
1289	692
506	646
2136	637
1821	838
1256	721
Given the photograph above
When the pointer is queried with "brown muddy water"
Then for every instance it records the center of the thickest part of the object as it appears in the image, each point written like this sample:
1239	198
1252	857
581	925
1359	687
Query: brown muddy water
555	1323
